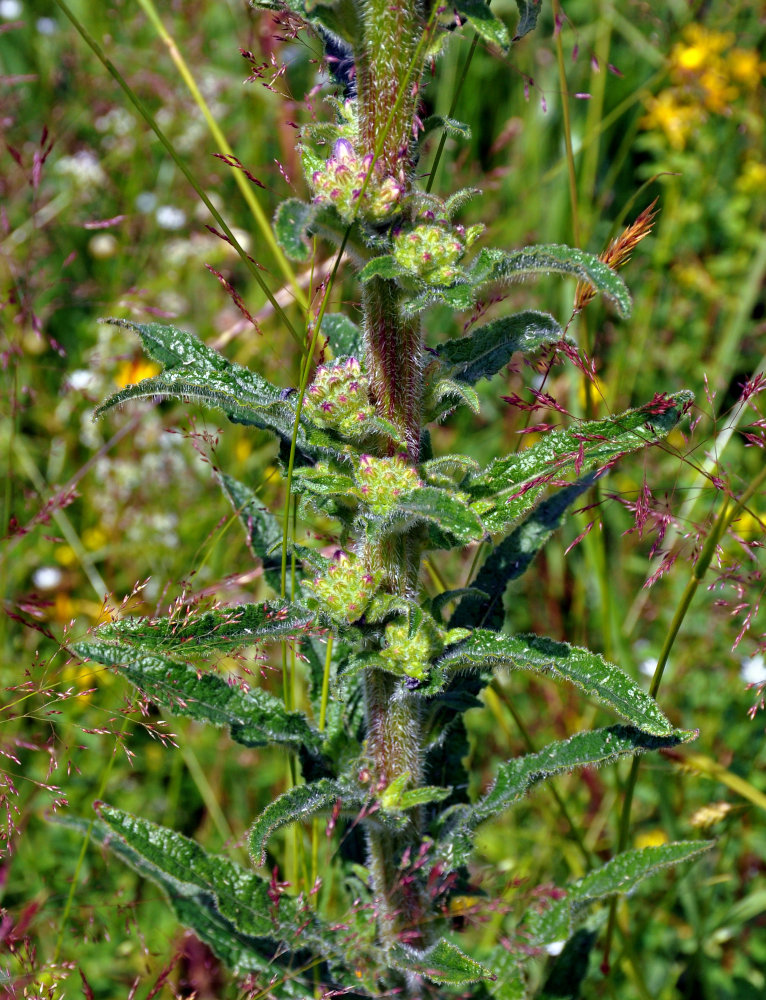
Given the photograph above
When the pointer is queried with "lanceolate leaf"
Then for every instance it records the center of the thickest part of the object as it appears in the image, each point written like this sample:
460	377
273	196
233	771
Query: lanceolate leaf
486	24
385	266
224	628
262	528
588	671
290	223
453	128
496	265
195	371
589	749
296	804
509	487
511	558
254	718
345	337
570	967
444	964
193	905
618	876
450	516
488	349
529	11
242	898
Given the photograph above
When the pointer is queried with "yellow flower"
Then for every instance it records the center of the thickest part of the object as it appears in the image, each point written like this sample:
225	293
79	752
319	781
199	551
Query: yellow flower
130	372
651	838
745	67
752	180
676	119
717	92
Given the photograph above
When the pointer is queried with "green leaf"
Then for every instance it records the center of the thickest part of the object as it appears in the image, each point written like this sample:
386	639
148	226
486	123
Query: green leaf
453	128
616	877
497	265
570	968
487	350
589	749
591	673
254	718
509	983
241	898
193	905
385	266
197	372
448	514
298	803
262	529
512	557
509	487
485	23
529	11
323	482
221	629
443	964
290	222
345	337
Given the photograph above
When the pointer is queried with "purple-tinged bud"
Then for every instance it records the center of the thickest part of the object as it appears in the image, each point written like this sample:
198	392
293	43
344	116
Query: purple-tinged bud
343	151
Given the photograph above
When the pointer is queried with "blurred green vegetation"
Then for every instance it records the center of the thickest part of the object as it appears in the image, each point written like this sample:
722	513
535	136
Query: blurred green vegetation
95	221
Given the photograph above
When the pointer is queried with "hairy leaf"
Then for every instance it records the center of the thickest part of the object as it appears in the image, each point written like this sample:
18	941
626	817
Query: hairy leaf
223	628
453	128
529	11
591	673
444	964
193	905
616	877
509	983
589	749
486	24
262	529
345	337
385	266
509	487
298	803
242	898
495	265
290	221
254	718
570	968
448	514
488	349
512	557
195	371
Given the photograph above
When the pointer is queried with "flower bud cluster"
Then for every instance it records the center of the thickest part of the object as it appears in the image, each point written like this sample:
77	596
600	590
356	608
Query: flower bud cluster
383	480
347	588
338	399
411	655
340	180
433	251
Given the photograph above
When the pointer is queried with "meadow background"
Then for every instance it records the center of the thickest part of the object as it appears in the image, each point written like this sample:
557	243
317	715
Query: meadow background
664	101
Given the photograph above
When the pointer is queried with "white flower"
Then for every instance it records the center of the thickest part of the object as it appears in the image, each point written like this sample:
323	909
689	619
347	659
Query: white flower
753	669
170	217
83	167
81	379
10	9
47	577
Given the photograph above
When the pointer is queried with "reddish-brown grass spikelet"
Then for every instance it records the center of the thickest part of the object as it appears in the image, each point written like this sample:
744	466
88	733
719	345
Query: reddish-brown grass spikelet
618	252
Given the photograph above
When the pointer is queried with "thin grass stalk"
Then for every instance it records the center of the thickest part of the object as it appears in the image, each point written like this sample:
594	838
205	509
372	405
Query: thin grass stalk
169	148
243	184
